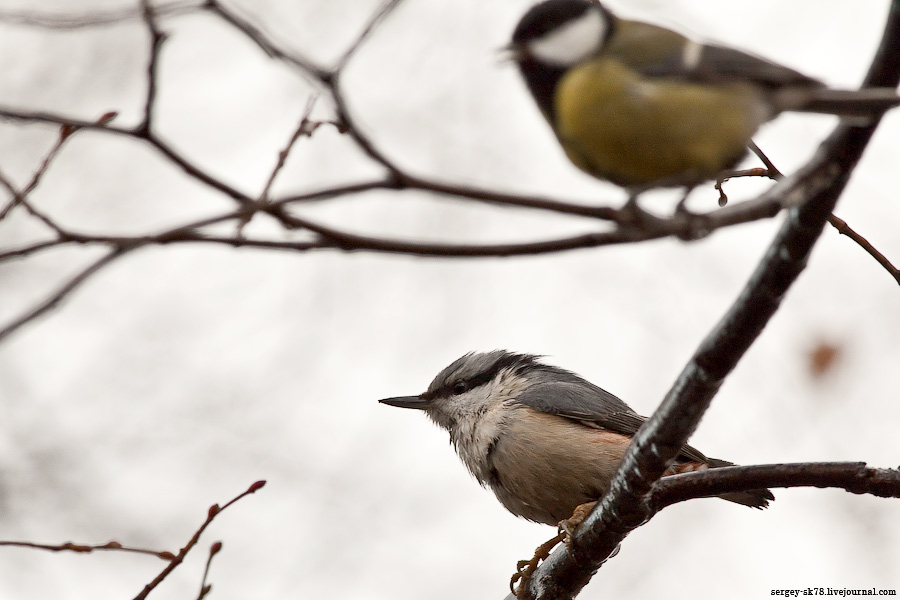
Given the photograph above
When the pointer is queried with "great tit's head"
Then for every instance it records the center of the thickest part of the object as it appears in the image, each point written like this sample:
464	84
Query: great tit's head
561	33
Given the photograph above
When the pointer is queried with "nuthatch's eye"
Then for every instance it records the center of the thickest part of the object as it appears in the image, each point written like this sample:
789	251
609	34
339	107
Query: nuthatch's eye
460	387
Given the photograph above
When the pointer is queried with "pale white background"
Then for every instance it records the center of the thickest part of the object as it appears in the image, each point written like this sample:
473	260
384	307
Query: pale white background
180	375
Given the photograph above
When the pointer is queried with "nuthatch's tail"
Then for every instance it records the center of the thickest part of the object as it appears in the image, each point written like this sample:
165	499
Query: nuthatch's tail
752	498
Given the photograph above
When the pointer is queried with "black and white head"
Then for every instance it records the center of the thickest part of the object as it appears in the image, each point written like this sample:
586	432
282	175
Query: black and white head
474	384
559	34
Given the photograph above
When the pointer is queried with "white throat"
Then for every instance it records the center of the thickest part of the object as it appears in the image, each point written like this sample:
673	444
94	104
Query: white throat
480	416
573	42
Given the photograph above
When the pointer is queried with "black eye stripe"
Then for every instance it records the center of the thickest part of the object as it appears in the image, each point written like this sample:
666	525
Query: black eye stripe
520	363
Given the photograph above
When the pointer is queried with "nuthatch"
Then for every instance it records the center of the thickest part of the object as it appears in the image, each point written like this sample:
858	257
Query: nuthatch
542	438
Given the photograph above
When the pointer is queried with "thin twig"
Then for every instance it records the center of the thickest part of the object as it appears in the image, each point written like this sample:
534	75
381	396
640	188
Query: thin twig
206	588
845	229
19	197
88	548
305	128
214	511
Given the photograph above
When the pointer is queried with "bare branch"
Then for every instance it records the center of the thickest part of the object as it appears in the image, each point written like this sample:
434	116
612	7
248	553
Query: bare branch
213	512
854	477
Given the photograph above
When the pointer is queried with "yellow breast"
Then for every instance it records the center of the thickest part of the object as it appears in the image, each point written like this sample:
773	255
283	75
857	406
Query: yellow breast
636	131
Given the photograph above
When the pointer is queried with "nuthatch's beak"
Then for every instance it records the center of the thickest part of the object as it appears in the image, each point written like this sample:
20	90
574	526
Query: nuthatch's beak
407	402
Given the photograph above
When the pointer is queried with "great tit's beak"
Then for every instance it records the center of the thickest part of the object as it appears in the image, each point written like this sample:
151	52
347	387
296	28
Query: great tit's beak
407	402
512	52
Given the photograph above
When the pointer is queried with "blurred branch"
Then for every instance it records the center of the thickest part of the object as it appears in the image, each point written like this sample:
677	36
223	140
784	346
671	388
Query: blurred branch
625	229
93	19
262	41
854	477
812	193
213	512
63	291
386	8
305	128
157	38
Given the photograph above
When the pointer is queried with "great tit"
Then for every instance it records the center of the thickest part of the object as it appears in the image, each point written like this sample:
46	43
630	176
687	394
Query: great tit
642	106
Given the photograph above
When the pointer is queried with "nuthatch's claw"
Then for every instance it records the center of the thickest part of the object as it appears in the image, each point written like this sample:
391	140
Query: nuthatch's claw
525	568
567	527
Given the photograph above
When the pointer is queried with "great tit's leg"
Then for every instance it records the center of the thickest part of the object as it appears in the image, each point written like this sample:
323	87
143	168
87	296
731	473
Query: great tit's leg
632	211
681	207
525	568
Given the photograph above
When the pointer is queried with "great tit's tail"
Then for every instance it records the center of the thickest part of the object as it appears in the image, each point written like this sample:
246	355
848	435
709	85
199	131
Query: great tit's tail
853	104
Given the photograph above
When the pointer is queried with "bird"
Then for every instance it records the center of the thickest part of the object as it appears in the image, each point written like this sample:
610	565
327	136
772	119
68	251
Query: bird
644	107
543	439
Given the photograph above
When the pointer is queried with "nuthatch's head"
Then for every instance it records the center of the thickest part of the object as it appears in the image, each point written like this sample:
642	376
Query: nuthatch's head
472	385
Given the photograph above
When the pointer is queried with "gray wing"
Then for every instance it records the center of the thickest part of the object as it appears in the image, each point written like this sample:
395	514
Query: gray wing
583	401
716	64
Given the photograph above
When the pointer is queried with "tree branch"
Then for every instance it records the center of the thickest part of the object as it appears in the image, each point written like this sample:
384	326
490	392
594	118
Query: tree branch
854	477
844	229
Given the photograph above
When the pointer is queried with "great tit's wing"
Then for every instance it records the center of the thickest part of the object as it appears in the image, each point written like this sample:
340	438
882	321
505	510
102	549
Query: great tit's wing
593	406
711	63
658	52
